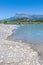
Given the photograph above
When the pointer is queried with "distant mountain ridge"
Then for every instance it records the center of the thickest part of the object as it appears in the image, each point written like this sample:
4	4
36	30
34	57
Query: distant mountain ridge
23	18
26	16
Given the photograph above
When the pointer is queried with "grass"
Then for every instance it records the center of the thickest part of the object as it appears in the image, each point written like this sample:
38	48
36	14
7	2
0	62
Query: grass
19	22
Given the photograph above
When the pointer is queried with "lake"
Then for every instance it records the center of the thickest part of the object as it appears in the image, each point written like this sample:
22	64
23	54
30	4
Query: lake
29	32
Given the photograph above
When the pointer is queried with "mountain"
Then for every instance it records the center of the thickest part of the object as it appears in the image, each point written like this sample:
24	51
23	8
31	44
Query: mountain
32	17
23	18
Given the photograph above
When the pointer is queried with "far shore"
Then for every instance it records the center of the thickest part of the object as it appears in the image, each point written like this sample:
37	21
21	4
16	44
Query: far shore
8	22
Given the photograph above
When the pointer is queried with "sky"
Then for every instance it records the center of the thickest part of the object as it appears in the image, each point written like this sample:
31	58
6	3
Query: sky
8	8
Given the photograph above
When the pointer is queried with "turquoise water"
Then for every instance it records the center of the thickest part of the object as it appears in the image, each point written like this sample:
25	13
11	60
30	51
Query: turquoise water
29	32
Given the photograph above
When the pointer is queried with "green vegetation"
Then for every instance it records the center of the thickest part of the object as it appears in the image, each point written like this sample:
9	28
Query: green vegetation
22	21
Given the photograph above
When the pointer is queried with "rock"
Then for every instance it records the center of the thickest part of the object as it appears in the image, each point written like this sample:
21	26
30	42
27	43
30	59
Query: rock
16	53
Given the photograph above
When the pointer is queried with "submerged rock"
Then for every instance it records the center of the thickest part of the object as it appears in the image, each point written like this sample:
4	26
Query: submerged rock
17	53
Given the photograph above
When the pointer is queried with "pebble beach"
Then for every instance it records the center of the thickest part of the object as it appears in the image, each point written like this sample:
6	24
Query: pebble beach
16	53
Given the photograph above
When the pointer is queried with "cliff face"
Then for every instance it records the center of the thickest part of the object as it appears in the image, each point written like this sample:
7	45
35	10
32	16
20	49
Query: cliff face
23	18
30	16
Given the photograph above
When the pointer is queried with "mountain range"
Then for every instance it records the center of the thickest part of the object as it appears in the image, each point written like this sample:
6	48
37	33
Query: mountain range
33	17
24	17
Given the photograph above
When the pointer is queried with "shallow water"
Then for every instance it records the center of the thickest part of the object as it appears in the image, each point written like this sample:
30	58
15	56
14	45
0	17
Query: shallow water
29	32
32	33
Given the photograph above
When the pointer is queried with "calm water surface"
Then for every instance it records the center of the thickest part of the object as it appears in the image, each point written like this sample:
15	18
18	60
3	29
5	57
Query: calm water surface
29	32
33	33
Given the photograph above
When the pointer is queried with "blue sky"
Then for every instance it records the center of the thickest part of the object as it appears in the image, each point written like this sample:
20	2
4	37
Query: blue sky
9	8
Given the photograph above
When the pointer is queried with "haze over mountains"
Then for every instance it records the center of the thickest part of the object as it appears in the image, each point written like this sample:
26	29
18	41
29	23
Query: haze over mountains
26	16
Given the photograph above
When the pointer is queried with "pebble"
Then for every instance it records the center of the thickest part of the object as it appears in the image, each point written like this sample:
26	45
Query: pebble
19	54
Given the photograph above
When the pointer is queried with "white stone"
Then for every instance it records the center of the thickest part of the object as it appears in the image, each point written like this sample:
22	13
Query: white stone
1	61
2	56
11	47
20	53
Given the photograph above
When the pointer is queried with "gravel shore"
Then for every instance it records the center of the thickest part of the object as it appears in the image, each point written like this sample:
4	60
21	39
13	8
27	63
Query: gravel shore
16	53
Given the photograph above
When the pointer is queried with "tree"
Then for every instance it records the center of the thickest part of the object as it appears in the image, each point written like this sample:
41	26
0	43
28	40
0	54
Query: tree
5	22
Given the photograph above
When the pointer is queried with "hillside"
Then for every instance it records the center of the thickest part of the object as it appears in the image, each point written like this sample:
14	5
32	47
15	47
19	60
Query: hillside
24	18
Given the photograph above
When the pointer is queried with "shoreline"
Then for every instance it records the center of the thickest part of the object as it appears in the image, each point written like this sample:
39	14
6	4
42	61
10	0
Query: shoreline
36	46
17	52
